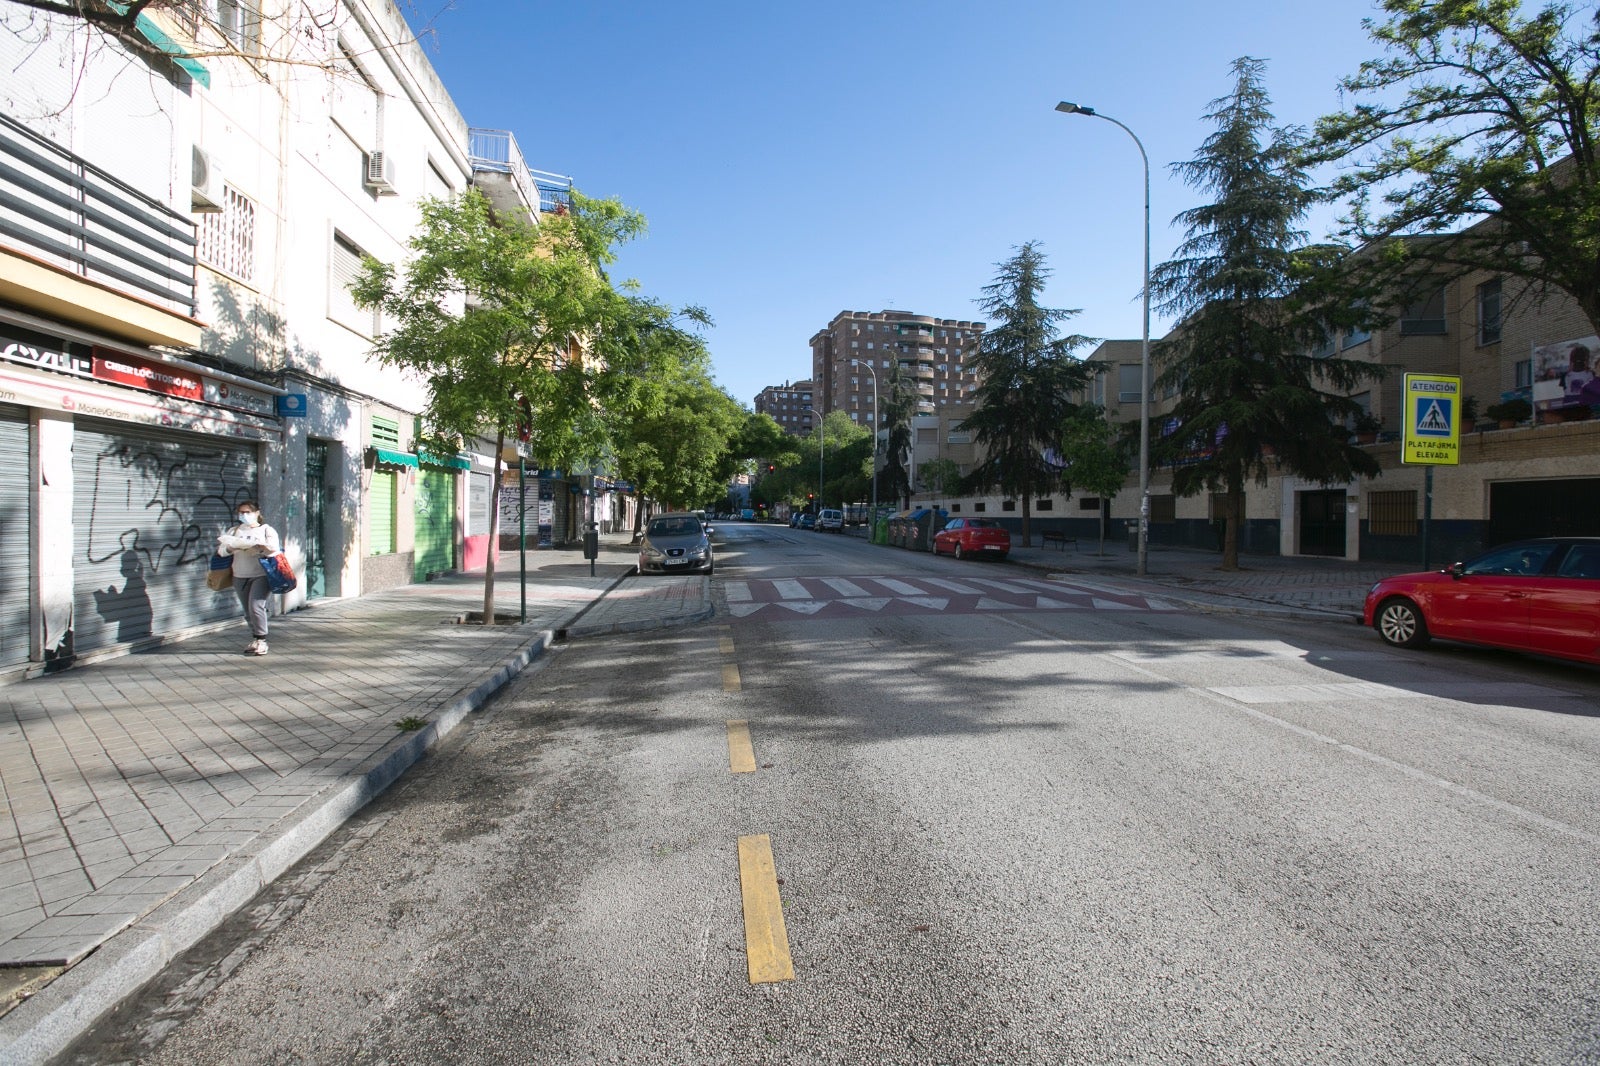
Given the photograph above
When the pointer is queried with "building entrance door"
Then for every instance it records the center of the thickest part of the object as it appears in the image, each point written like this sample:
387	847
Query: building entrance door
1322	522
316	517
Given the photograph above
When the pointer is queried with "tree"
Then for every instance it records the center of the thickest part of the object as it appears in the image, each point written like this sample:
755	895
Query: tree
846	452
489	316
1477	111
1240	356
1095	456
895	409
941	476
1029	379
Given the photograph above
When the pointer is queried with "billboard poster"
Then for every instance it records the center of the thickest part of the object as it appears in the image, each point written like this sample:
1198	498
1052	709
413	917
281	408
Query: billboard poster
1563	375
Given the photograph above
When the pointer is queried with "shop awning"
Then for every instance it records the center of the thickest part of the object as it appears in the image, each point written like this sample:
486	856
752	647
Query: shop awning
454	462
383	455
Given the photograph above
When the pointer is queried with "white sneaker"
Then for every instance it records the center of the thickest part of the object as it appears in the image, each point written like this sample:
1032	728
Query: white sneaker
261	648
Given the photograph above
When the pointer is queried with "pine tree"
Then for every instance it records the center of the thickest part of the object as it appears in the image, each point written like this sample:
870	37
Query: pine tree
1240	356
1029	379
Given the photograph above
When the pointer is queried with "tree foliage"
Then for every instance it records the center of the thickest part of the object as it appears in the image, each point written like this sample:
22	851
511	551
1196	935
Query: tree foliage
1095	454
896	407
1029	381
1477	110
493	318
1240	358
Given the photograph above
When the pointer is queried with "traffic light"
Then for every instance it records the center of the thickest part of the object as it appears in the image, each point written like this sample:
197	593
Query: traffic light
811	495
771	468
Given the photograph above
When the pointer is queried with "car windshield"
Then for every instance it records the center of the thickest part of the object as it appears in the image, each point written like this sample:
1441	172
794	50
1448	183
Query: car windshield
674	527
981	523
1520	560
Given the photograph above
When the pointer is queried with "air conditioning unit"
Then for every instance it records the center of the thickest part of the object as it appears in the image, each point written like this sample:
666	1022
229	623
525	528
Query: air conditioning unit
205	181
380	174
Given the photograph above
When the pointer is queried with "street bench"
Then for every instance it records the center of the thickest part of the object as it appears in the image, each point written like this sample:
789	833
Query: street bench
1051	536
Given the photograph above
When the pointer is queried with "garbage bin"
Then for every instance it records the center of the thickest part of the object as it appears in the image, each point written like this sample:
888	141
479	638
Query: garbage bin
1133	536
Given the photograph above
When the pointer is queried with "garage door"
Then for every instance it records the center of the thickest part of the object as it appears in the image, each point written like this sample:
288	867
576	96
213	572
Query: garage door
15	530
147	508
1555	507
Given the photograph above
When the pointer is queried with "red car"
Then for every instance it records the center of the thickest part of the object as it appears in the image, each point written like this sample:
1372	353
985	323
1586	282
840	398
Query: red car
968	537
1540	596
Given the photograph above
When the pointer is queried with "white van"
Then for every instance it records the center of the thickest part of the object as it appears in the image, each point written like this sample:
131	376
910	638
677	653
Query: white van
830	520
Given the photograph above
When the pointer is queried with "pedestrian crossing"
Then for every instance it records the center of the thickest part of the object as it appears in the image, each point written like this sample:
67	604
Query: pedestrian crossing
793	598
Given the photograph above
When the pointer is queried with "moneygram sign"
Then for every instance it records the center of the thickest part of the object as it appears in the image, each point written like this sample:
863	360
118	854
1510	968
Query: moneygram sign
1431	411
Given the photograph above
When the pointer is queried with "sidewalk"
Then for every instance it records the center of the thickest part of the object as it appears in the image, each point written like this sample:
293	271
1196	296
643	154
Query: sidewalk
152	795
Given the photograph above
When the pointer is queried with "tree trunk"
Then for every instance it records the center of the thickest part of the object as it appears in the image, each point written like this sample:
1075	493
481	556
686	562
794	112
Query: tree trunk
1027	538
494	527
1230	534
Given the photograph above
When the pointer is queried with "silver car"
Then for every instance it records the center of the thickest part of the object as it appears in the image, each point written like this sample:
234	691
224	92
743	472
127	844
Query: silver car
674	542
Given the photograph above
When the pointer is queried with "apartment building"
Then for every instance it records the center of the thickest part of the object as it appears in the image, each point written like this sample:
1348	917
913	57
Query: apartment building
858	352
790	405
175	323
1530	478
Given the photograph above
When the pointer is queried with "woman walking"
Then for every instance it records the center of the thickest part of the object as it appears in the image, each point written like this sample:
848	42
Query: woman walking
249	542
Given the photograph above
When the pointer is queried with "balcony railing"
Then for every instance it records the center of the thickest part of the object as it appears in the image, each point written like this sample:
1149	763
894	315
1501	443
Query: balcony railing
70	213
496	151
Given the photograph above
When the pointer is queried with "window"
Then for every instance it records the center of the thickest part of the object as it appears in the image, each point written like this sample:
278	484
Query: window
1353	337
1128	383
1392	514
1489	312
1324	348
227	239
240	23
955	508
1044	505
1163	509
1089	503
1523	373
980	507
344	268
1425	316
385	432
1008	505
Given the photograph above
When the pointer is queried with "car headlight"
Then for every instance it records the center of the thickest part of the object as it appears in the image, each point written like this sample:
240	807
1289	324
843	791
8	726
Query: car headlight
698	553
652	552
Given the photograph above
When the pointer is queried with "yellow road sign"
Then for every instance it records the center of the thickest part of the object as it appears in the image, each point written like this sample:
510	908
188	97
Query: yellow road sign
1430	410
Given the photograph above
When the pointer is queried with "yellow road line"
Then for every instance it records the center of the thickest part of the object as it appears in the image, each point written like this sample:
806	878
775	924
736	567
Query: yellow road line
730	677
741	756
726	644
766	941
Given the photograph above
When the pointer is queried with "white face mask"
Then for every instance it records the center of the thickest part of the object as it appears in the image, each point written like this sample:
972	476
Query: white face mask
249	518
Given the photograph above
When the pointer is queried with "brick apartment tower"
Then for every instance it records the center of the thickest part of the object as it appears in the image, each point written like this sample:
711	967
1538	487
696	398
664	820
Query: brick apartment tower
935	353
789	405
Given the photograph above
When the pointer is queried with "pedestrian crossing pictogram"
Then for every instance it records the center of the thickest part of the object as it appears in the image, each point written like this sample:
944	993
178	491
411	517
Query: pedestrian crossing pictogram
1433	416
793	599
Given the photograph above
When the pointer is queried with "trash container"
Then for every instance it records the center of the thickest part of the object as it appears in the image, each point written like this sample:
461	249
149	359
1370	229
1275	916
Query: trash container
1133	536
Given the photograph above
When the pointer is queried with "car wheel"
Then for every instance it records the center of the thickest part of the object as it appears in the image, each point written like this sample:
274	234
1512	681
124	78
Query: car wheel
959	553
1400	623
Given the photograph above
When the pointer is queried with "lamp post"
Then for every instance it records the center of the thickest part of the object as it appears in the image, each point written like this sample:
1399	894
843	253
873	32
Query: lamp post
872	517
1144	351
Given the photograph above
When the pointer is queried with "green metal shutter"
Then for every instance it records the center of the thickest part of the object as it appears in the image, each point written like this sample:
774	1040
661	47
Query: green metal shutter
380	513
436	523
15	535
146	510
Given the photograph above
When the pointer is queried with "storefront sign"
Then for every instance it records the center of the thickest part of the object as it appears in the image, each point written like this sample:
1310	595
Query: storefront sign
231	394
293	405
93	399
45	358
145	374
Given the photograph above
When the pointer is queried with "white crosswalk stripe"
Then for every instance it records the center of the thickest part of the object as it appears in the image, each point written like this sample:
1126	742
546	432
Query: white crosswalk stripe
952	586
791	589
845	587
900	588
737	591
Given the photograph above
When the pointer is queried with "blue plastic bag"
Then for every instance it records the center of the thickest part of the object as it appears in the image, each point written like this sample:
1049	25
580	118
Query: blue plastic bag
280	575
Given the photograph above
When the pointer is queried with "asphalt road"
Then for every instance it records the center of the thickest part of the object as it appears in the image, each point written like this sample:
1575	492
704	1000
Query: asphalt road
1012	821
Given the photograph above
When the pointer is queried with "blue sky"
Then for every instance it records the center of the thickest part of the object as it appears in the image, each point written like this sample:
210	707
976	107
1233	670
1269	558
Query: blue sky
797	160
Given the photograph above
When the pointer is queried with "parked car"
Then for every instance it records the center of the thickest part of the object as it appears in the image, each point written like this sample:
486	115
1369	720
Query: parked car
807	521
1540	596
675	542
969	537
830	520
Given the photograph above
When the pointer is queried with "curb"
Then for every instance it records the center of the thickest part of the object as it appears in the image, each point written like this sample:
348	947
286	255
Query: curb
50	1021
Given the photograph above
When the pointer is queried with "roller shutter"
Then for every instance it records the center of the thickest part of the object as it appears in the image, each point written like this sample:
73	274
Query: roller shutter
380	513
436	523
147	508
15	532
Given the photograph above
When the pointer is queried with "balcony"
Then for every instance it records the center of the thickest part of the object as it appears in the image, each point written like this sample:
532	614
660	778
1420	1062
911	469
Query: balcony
514	188
66	219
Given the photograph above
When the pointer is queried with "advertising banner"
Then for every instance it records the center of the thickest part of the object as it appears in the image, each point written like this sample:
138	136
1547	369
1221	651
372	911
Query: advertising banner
1563	375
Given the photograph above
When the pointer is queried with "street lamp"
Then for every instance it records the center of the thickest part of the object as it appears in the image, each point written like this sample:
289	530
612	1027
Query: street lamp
1144	351
873	517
